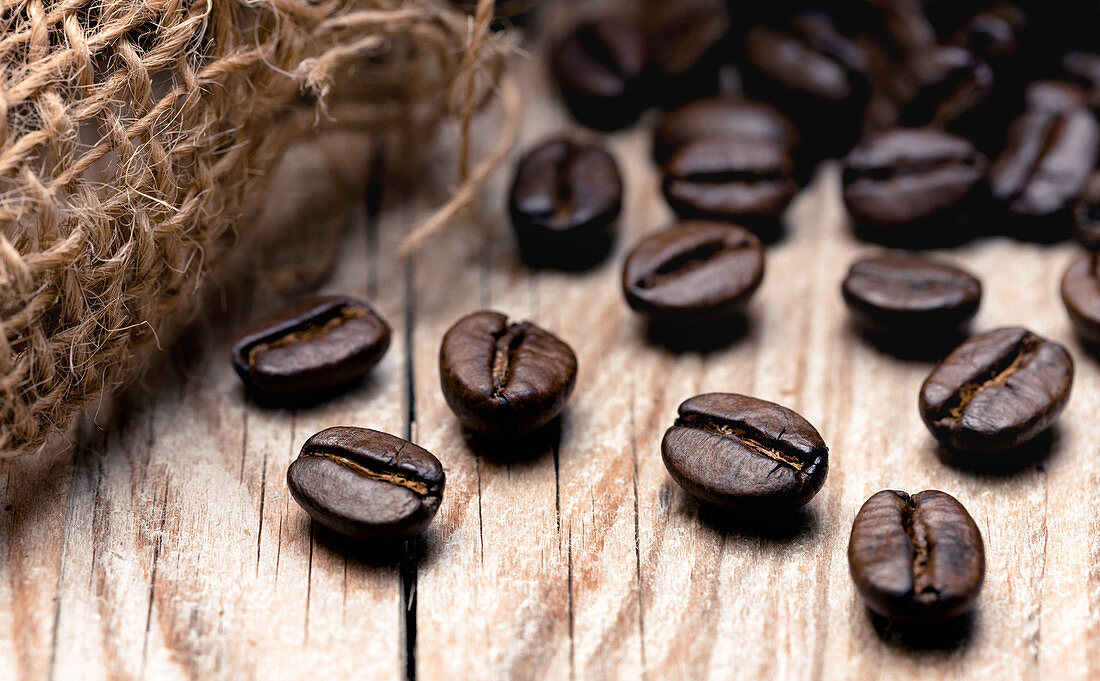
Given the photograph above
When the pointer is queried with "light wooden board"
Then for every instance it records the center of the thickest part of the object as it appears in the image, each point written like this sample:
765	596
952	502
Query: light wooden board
164	544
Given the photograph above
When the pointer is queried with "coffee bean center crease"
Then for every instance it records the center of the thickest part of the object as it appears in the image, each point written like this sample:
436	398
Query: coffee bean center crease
688	261
773	448
505	344
307	331
998	374
921	541
911	167
391	477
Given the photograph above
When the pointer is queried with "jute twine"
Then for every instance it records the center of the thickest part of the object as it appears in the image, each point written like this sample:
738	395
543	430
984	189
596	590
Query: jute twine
135	133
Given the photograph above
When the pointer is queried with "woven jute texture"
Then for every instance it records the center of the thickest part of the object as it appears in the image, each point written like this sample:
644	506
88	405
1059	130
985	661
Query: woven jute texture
134	136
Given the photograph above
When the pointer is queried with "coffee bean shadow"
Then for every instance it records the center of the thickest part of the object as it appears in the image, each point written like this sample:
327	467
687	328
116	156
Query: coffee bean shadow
571	261
911	346
1034	454
375	554
1090	348
771	232
801	525
512	451
308	400
915	237
703	338
927	637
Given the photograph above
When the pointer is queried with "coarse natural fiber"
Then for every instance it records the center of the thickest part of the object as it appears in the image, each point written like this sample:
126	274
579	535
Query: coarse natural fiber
134	136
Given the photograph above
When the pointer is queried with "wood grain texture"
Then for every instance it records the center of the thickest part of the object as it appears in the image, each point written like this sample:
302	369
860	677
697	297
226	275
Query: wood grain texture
165	545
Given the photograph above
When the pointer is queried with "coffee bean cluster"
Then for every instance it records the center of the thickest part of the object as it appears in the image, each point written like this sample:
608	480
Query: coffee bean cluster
952	120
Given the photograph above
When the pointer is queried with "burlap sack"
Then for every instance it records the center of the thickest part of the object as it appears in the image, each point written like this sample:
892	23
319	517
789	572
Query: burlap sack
134	136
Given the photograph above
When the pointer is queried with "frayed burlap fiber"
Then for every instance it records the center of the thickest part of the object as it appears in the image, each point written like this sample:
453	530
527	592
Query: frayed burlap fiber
135	133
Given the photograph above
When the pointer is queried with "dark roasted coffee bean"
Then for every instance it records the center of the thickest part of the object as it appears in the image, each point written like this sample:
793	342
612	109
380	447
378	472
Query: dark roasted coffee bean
1086	214
685	44
1084	69
916	558
599	68
997	34
904	28
1081	294
950	88
564	200
745	454
996	391
365	484
695	272
746	181
814	74
1051	150
722	116
895	293
311	346
909	185
505	379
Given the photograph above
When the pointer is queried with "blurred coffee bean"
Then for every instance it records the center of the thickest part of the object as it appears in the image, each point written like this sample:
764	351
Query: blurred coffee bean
696	272
996	35
686	43
903	28
722	116
905	294
746	181
564	200
1081	295
913	186
1084	69
1049	155
950	89
816	75
1086	214
599	68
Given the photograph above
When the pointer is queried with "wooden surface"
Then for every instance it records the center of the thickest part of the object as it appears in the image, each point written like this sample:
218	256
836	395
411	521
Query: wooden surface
165	545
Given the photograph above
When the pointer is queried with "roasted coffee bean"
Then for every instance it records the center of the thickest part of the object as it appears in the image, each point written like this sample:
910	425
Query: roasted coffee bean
696	272
1086	214
996	391
908	294
505	379
599	68
311	346
996	35
1084	69
950	89
745	454
745	181
903	28
1081	294
685	45
817	76
365	484
911	185
1051	150
722	116
916	558
563	203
